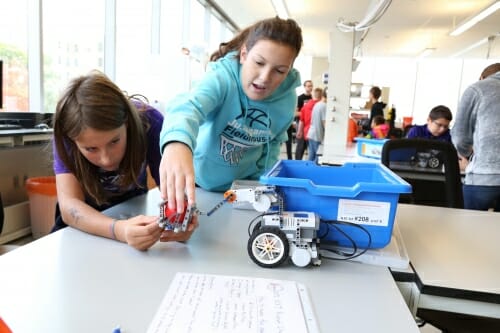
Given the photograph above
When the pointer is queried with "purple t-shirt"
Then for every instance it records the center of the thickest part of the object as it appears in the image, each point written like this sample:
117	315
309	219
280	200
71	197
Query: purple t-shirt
421	131
110	179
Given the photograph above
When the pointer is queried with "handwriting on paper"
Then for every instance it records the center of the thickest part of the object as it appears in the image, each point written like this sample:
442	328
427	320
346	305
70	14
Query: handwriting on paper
222	304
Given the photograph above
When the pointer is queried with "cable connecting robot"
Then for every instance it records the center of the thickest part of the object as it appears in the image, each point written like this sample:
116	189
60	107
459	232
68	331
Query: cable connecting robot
276	234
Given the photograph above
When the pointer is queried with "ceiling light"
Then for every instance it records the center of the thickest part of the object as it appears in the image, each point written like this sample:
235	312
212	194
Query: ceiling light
470	22
471	47
280	9
426	52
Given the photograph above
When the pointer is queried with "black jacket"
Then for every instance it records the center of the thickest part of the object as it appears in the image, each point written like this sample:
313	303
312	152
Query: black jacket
377	110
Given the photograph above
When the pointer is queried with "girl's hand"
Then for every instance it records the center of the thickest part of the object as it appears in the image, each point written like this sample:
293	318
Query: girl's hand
170	236
177	176
140	232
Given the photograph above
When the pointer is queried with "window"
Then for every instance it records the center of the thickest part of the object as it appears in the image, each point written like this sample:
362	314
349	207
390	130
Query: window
196	23
148	59
215	34
13	53
133	46
198	41
227	33
72	45
173	71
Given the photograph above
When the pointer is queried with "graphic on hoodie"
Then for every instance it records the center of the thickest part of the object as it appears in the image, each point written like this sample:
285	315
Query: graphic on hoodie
249	129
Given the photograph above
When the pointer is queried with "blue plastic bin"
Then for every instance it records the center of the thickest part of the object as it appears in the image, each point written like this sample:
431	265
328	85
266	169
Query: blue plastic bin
360	193
370	147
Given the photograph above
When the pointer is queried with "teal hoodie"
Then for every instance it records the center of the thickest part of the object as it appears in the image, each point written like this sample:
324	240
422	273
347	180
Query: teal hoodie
232	137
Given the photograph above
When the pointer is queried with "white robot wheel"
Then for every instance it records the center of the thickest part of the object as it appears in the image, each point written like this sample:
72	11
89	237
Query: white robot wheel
301	257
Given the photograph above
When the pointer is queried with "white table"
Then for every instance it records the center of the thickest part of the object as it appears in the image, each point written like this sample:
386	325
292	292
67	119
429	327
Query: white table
75	282
455	254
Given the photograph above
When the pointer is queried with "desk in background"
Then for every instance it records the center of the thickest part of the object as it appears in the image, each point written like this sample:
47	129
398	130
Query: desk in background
455	254
74	282
346	154
24	153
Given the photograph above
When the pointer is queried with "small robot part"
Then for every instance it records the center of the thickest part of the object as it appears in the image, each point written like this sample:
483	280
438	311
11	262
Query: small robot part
171	220
178	222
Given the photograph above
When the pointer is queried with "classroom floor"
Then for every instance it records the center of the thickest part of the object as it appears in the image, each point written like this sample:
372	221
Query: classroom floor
22	241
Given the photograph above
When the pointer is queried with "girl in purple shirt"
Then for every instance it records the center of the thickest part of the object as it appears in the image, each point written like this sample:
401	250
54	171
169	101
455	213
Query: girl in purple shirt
103	142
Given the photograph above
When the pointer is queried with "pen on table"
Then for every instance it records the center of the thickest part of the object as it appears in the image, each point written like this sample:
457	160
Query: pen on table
117	330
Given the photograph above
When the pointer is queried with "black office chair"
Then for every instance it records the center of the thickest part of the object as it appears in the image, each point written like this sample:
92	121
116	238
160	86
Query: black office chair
395	133
4	248
430	166
406	129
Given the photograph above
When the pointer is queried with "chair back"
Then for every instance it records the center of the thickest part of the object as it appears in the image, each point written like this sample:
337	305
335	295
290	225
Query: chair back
430	166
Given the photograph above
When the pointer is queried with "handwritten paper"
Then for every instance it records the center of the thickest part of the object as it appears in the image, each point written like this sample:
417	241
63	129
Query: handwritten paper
203	303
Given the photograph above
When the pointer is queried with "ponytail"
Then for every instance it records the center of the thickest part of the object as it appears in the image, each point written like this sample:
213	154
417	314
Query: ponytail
285	32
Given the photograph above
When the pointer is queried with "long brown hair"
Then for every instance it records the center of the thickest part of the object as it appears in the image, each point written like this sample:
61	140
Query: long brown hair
93	101
285	32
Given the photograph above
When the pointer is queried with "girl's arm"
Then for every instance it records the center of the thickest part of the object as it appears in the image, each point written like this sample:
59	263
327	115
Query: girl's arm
178	136
141	232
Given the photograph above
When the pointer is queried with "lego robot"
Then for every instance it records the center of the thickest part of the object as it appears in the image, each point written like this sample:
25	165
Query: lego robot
279	234
276	236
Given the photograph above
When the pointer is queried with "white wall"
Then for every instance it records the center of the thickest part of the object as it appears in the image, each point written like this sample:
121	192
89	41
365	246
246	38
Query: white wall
416	86
303	64
320	66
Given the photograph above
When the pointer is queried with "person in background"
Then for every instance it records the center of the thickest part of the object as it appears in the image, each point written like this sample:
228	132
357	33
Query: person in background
231	125
380	129
476	134
353	127
306	114
437	126
377	108
352	130
316	132
302	100
103	142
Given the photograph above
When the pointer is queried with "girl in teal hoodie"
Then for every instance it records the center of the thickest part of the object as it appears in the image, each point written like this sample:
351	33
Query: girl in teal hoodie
231	125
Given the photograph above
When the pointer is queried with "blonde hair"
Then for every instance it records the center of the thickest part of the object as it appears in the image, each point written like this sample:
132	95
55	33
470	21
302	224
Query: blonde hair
317	93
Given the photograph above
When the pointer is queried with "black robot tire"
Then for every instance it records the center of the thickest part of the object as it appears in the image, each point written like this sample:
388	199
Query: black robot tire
268	247
433	162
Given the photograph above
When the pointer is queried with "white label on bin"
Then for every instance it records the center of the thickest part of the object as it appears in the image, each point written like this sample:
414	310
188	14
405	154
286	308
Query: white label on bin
372	150
373	213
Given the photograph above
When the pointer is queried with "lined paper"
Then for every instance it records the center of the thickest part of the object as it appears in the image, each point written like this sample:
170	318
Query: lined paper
204	303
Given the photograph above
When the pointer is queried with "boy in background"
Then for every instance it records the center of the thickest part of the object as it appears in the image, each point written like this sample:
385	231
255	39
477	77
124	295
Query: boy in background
316	132
437	126
305	116
377	108
301	102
